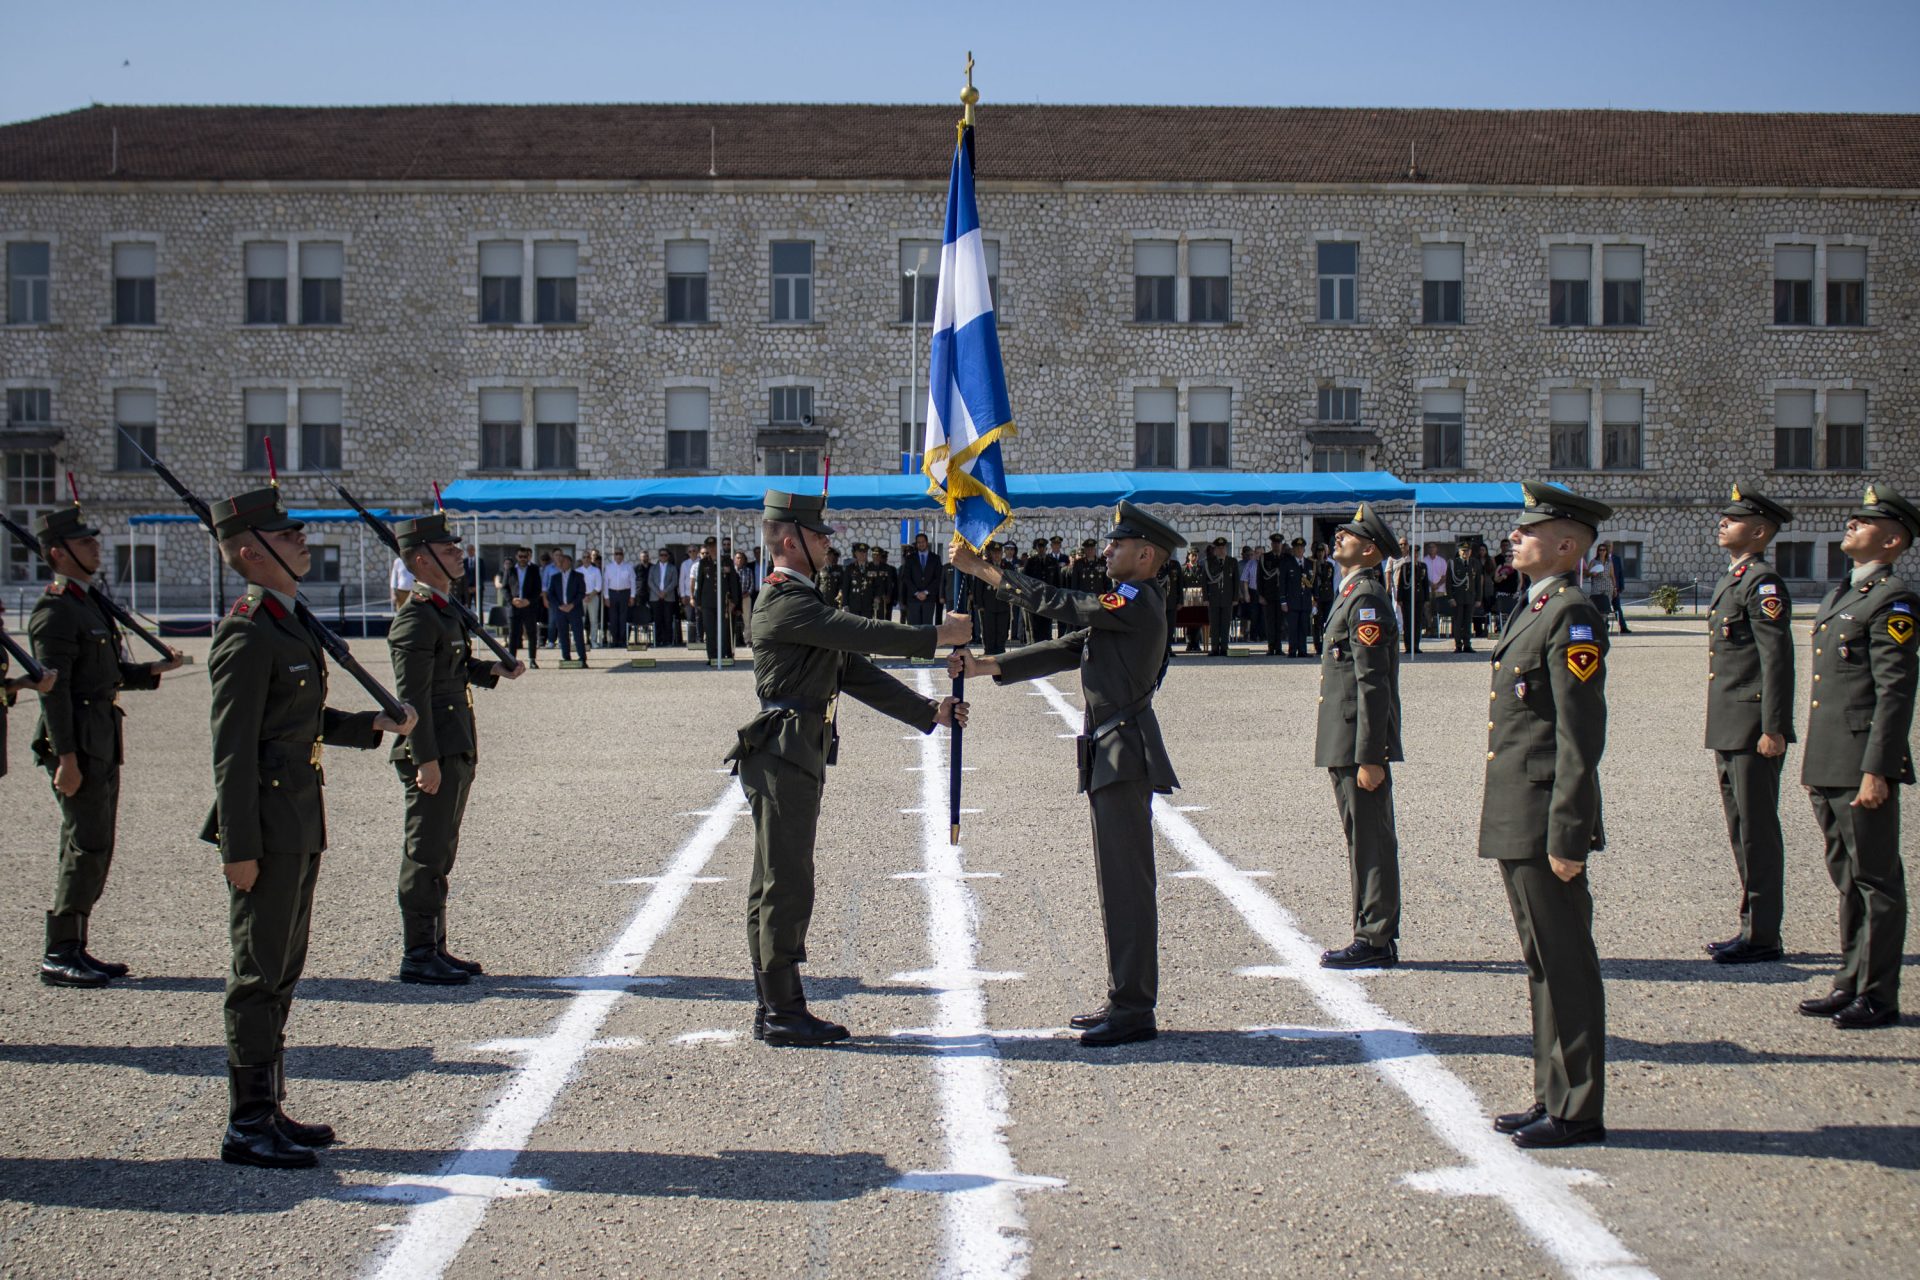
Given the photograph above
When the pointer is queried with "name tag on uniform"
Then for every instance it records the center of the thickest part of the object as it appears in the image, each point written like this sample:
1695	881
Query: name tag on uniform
299	667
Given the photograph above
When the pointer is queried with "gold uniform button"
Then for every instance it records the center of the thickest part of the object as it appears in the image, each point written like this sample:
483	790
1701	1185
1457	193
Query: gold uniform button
1489	755
1491	695
1489	724
1816	675
276	782
1816	702
303	684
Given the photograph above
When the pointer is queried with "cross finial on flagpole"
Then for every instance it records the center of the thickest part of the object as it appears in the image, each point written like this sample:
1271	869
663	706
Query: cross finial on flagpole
969	95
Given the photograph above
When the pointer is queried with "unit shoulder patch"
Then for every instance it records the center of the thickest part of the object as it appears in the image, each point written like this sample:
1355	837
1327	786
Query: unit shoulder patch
1900	627
1583	660
1774	608
1367	633
1113	600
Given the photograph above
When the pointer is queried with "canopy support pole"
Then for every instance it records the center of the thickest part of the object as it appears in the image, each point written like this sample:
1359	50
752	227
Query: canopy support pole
360	567
1414	565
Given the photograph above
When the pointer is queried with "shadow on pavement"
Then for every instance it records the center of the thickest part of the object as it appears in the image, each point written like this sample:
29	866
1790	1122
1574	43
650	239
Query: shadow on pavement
532	987
1893	1146
304	1062
208	1186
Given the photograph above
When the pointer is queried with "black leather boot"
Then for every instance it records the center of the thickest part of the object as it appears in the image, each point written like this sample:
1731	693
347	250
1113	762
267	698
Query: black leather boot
307	1135
421	961
64	964
788	1022
253	1132
759	1006
471	966
112	968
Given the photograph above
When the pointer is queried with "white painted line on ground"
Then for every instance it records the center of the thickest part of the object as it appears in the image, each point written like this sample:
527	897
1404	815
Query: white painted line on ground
930	875
714	1035
449	1205
984	1230
1539	1197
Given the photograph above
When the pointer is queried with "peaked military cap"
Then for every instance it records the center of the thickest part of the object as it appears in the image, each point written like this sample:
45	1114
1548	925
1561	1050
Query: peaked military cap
809	511
1745	502
419	531
1544	502
1220	542
861	546
65	522
258	510
1039	544
1130	521
1883	502
1277	537
1368	523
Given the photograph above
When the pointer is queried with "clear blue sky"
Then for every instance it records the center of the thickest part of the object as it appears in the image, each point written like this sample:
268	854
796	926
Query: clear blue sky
1735	55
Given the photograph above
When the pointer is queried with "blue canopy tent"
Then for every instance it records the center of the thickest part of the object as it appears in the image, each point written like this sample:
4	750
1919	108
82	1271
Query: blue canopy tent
157	520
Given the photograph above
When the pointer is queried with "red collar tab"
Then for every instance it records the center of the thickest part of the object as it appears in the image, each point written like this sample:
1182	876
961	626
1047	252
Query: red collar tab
274	608
1539	604
1741	572
1348	589
439	600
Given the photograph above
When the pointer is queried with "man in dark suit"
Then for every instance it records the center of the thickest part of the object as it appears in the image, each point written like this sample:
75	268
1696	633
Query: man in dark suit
568	598
1866	662
1540	815
525	603
1750	716
1271	585
663	596
920	580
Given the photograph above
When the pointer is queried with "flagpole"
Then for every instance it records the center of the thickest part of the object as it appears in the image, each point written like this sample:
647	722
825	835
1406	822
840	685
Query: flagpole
968	97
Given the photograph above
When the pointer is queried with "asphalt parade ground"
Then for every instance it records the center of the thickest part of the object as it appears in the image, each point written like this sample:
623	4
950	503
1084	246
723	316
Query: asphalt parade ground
594	1106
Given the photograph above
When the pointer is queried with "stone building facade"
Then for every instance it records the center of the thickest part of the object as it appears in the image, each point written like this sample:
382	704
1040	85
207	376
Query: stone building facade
1647	335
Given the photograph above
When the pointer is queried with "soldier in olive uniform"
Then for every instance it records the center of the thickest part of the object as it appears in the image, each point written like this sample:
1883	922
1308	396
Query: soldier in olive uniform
12	686
807	654
433	670
1271	585
1465	585
268	677
1359	738
1750	716
1118	642
1173	585
886	584
1090	570
833	580
1540	816
78	740
1866	661
994	613
1041	567
858	590
1219	581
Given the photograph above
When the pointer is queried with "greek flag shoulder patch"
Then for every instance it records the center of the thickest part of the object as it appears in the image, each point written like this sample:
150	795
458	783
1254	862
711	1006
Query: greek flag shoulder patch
1579	631
1901	606
1129	590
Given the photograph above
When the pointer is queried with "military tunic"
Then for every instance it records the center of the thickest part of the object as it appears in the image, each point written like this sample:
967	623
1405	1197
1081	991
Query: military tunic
1866	661
1041	567
1119	645
433	671
268	678
1750	693
858	590
1359	723
1546	731
833	585
806	654
1465	585
72	633
1271	585
1218	578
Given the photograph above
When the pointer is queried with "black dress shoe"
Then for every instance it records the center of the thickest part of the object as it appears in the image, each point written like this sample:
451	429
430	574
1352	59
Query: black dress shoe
423	965
1120	1028
64	966
466	966
1552	1131
1866	1012
304	1135
1087	1021
1361	955
1715	948
789	1024
1827	1005
253	1135
1515	1121
1744	952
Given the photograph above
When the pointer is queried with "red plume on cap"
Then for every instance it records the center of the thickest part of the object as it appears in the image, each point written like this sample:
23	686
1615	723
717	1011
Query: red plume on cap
826	475
273	472
438	504
73	489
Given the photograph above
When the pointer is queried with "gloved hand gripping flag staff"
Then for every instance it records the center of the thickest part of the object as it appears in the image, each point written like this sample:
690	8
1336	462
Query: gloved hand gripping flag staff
967	407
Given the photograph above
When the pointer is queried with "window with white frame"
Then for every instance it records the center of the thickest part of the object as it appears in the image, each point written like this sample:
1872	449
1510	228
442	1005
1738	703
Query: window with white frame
1340	457
1570	412
1846	431
266	268
1155	419
134	564
790	267
1155	276
790	406
29	406
1793	284
1338	406
1570	283
1622	429
920	277
1209	281
1846	285
556	426
913	429
136	413
29	281
319	430
501	412
135	266
500	269
1443	417
792	461
1793	557
323	266
1793	430
1632	557
1209	433
556	273
687	262
30	491
325	566
1621	271
266	426
689	417
1443	270
1338	264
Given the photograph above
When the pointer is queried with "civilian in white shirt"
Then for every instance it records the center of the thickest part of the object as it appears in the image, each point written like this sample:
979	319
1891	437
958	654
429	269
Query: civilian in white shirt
1436	566
688	567
621	582
399	582
596	597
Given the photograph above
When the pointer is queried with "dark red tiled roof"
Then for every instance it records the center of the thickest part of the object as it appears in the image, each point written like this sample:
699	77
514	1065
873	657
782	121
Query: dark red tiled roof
1016	143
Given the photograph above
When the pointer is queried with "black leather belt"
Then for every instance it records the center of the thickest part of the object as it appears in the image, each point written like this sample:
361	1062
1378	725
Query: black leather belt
794	704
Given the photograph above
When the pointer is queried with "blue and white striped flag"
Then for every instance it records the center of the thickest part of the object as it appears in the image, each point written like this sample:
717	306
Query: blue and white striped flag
967	408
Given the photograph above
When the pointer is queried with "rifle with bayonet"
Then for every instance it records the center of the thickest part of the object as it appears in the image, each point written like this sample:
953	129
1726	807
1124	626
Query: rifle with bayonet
335	647
32	670
106	602
384	532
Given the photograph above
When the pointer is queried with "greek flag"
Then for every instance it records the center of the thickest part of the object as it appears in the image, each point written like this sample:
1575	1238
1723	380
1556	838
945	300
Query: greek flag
967	408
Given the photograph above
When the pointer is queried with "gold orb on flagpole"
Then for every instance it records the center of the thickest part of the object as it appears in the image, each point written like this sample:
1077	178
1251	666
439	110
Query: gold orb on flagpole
969	95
